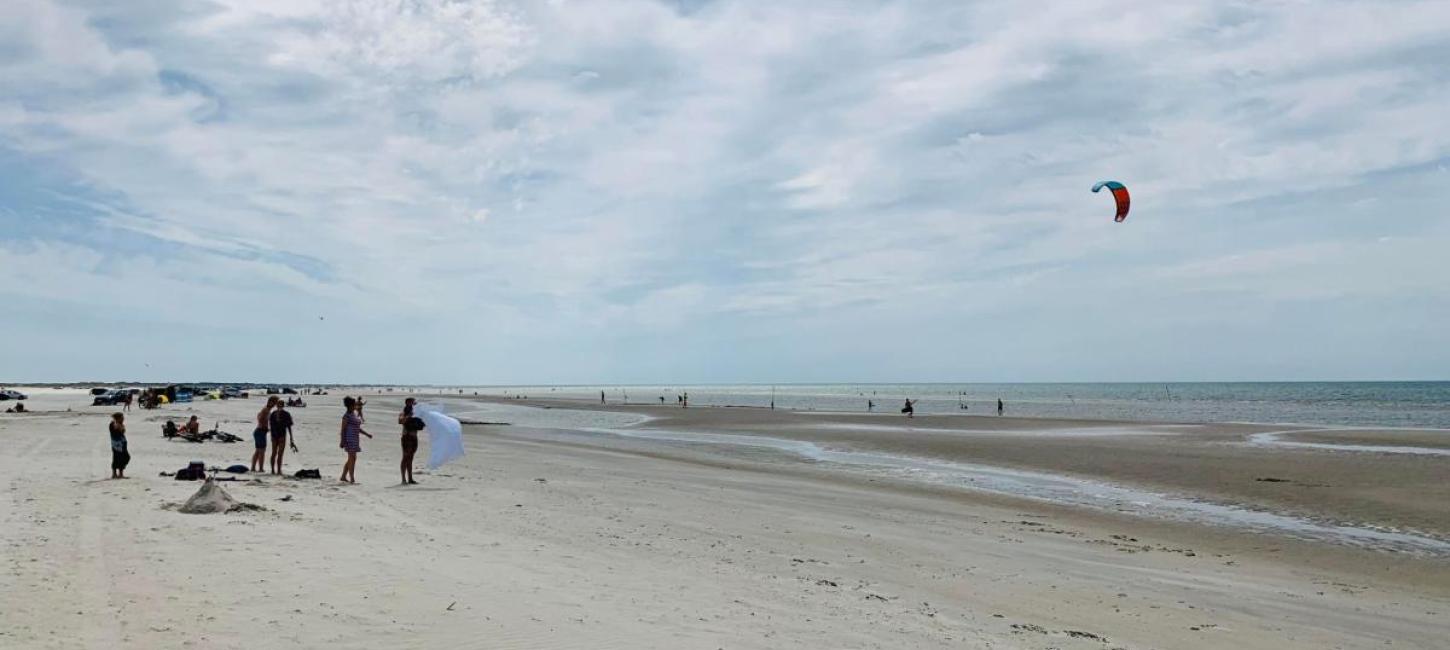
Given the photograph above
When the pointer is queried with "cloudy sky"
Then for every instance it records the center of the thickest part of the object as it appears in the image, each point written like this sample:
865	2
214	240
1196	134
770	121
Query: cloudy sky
710	191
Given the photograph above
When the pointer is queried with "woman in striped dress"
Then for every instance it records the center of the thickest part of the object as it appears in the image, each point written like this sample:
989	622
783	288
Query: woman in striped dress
350	442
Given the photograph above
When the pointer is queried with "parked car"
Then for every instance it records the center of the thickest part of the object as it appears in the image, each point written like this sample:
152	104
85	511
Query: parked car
99	391
288	390
234	393
110	397
6	395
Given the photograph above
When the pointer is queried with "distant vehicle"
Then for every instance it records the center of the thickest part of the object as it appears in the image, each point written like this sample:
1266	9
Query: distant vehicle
110	398
287	390
234	393
273	390
99	391
16	395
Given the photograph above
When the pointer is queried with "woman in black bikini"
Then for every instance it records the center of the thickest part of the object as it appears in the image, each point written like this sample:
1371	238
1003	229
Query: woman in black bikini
410	441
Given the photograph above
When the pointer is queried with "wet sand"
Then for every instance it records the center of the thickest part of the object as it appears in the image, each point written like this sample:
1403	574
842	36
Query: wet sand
1433	439
1212	462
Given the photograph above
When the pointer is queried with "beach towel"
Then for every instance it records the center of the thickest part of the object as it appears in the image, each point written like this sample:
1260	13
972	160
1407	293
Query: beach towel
445	435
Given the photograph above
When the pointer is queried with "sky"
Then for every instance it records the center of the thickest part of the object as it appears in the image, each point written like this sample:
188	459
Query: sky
696	191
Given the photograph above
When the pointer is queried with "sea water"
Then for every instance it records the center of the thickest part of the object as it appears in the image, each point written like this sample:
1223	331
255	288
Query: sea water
1424	404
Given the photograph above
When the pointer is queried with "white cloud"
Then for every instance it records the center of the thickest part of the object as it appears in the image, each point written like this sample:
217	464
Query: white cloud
742	165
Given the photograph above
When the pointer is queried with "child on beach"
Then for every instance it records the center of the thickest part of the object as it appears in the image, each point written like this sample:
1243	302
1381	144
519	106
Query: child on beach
352	422
120	455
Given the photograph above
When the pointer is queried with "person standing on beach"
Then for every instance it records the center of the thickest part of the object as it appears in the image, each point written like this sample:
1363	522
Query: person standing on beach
601	397
910	408
350	442
259	434
410	441
870	406
126	403
120	455
685	400
281	424
1000	407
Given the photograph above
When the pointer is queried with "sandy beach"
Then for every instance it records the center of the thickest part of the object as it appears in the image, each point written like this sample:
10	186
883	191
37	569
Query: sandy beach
574	525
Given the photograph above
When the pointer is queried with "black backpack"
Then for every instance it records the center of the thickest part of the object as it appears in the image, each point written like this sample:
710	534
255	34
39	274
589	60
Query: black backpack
414	423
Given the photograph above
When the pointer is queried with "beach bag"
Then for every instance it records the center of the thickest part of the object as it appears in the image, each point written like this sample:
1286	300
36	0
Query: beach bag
309	473
415	423
195	471
238	469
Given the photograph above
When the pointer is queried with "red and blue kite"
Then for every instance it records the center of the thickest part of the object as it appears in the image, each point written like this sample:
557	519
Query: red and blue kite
1120	194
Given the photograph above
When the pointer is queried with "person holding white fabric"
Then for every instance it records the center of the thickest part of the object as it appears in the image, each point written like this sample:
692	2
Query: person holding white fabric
410	440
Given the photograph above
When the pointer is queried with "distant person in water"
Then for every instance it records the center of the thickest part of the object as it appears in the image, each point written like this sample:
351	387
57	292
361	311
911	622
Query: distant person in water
1000	406
870	406
662	400
685	400
410	441
350	440
259	434
120	454
910	408
601	397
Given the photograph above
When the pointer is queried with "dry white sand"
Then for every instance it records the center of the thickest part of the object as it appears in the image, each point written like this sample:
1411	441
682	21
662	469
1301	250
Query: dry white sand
534	543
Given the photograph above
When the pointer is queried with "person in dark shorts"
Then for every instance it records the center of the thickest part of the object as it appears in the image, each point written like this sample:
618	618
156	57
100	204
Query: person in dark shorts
259	434
410	441
1000	406
910	408
350	442
280	421
120	455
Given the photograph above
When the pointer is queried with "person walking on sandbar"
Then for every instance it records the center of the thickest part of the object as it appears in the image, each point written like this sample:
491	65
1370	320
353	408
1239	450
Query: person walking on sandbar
120	455
1000	407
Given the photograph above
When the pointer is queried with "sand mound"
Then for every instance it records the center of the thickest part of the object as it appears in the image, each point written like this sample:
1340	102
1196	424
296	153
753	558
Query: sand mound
211	498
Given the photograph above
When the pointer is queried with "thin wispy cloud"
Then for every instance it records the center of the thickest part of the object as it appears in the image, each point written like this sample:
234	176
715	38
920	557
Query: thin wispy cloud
705	191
